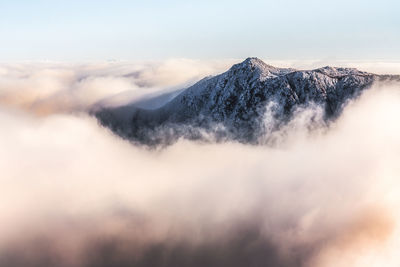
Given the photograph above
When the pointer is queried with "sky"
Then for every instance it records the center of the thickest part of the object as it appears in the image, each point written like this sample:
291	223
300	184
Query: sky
153	30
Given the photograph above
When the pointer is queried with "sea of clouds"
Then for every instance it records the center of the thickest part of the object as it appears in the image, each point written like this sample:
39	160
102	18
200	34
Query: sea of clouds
73	194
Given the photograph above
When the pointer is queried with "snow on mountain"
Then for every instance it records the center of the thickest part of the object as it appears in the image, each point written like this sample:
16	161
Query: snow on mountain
233	104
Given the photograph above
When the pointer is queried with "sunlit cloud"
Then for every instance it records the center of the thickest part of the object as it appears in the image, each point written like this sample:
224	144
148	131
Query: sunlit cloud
74	194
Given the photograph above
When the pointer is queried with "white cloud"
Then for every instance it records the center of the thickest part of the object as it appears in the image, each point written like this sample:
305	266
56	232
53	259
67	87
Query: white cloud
325	197
46	88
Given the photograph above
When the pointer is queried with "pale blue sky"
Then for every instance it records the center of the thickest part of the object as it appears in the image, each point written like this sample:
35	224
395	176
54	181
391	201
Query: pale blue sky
153	29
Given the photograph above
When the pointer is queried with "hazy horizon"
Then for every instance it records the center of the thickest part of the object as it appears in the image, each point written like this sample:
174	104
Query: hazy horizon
158	30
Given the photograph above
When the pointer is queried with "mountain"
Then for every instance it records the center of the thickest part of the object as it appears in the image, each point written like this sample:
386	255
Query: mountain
233	105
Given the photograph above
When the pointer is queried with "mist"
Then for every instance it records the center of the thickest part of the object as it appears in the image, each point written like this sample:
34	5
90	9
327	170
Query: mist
74	194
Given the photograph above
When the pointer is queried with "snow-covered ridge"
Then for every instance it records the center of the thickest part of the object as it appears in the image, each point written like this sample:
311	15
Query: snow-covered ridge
260	68
236	102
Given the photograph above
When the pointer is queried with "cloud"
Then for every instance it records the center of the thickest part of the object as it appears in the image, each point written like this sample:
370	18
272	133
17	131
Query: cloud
75	195
47	88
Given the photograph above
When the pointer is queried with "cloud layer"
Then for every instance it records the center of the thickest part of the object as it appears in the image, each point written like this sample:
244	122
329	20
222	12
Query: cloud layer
45	88
73	194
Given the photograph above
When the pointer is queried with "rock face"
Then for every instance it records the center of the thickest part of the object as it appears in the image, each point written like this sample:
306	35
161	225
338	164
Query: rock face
233	104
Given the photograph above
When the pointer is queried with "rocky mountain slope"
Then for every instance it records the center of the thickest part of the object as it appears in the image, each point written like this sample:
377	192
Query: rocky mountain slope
233	104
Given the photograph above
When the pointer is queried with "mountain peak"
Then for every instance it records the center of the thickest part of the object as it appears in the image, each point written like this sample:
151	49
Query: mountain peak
257	67
237	101
255	63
